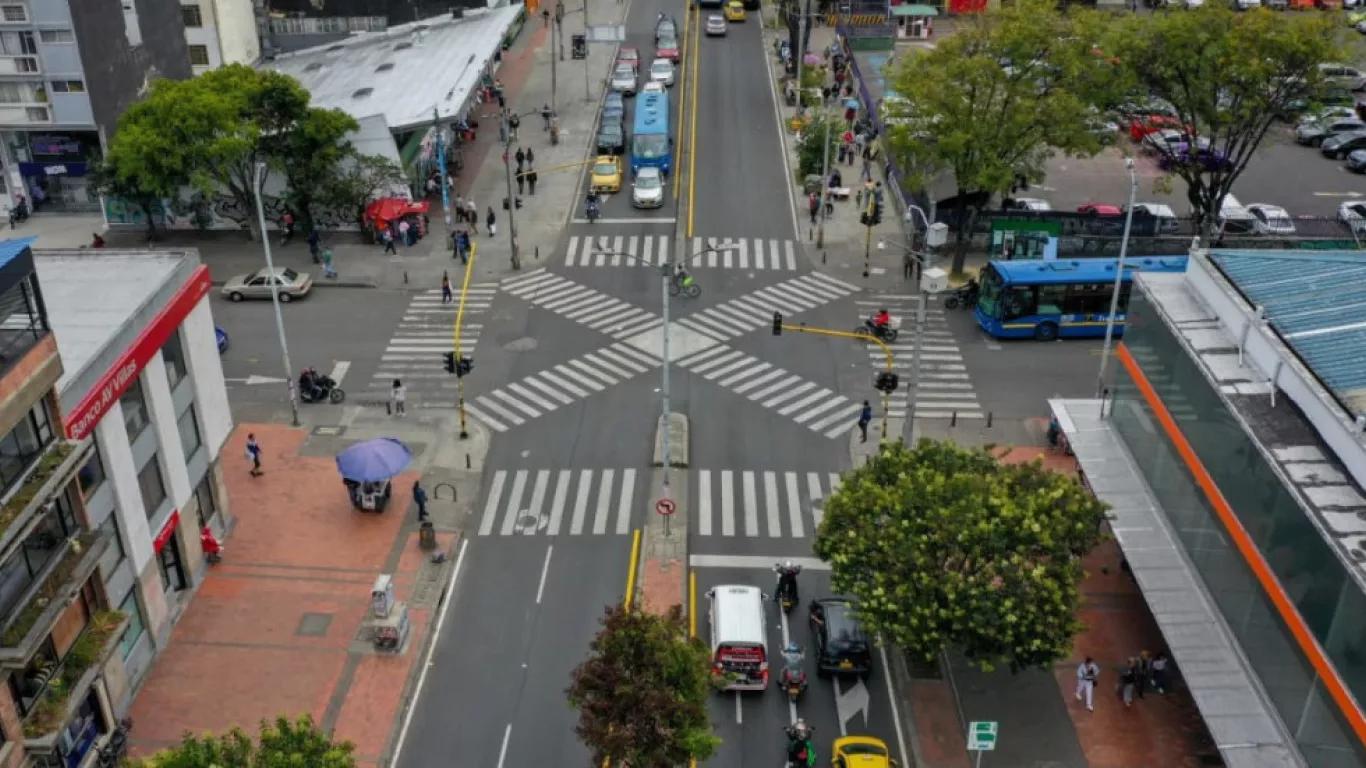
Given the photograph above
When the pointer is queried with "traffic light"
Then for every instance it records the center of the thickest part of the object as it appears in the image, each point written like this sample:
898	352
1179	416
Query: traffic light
777	324
464	365
877	211
885	382
449	357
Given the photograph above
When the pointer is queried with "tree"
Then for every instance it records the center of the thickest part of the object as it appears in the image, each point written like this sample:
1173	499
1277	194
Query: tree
991	102
358	180
945	547
642	692
823	124
1236	73
311	154
282	743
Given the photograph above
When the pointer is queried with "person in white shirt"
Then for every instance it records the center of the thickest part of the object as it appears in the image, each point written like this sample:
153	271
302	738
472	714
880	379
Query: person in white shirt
398	397
1087	675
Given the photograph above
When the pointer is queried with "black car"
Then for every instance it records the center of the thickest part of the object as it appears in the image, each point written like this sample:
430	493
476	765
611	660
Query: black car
611	138
1343	144
1356	162
841	644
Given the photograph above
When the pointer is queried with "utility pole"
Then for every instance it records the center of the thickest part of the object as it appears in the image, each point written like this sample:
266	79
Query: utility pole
511	198
825	180
275	293
587	86
441	169
802	21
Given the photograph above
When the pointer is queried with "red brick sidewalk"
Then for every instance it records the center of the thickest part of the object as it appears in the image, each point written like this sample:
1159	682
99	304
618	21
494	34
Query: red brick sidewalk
298	555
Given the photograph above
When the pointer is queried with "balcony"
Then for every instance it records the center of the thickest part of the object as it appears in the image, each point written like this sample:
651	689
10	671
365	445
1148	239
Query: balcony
68	682
49	596
50	473
20	65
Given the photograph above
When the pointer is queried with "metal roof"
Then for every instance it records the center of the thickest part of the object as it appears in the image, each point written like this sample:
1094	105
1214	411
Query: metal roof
1316	301
405	71
9	249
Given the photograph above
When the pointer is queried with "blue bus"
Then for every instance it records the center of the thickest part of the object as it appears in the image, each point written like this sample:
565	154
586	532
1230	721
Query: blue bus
650	142
1046	300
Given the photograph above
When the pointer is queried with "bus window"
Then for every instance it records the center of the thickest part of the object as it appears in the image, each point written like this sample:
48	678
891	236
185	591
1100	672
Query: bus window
1017	302
1087	299
1124	297
1051	299
990	292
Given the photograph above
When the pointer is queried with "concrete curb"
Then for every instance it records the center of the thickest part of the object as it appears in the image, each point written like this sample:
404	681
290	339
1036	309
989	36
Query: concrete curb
328	284
676	426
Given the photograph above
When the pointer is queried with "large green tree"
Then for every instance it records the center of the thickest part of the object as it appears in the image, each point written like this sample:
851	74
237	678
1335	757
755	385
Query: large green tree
642	692
1228	75
310	154
946	547
282	743
991	102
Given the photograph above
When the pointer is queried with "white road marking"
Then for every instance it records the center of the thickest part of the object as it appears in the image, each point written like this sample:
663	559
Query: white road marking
339	370
851	702
891	699
759	562
739	713
545	569
502	753
491	506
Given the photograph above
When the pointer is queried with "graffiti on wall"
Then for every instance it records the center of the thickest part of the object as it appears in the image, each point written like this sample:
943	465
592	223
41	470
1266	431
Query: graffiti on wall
216	212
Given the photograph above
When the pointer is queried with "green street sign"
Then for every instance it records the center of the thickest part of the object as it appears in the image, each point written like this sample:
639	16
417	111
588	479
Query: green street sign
982	735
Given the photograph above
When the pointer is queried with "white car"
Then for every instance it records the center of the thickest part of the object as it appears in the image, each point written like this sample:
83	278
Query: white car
662	71
1247	5
1354	216
1271	219
624	80
1193	3
1031	204
647	191
1163	142
1328	114
1163	213
652	86
716	25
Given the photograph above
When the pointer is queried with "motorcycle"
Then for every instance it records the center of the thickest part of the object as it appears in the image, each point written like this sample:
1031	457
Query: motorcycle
965	297
594	210
887	333
801	752
786	592
315	387
793	679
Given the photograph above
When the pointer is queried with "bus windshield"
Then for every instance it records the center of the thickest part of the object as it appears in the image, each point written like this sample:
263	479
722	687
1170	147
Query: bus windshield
990	292
650	147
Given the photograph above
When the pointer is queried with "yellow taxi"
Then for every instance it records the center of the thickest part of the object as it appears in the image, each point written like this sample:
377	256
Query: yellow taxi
735	11
606	174
861	752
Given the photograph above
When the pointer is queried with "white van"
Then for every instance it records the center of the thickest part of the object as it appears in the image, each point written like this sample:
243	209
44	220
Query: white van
738	642
1235	218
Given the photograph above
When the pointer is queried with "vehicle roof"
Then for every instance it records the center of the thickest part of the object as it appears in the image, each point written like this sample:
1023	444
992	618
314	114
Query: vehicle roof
738	611
1156	209
277	271
648	170
1082	270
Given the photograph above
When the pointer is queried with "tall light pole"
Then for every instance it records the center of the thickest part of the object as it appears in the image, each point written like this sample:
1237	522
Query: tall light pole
275	294
934	237
1119	278
506	129
825	181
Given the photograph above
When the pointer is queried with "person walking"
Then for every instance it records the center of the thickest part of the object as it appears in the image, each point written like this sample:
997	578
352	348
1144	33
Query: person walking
864	417
447	295
328	271
1158	669
1144	672
472	213
420	499
398	397
459	206
514	122
521	159
1128	681
387	237
491	221
521	182
531	179
315	241
545	116
813	206
462	246
254	454
287	224
403	233
530	157
1087	675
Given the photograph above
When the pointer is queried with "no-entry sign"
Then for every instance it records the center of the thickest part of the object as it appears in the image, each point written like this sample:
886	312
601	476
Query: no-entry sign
666	507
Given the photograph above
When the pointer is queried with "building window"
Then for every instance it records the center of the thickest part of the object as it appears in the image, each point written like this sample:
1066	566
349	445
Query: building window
152	487
56	36
24	444
131	608
199	55
173	354
18	572
28	685
91	476
189	432
68	86
134	406
113	555
203	494
13	13
193	18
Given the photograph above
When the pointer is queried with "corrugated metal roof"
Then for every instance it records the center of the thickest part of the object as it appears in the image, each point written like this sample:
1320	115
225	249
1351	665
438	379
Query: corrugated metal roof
404	72
1316	300
12	248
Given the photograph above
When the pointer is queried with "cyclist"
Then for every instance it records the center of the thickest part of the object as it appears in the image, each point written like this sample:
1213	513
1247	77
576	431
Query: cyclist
682	277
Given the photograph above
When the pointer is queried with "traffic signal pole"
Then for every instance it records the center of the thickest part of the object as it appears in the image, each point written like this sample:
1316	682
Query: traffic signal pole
779	327
459	323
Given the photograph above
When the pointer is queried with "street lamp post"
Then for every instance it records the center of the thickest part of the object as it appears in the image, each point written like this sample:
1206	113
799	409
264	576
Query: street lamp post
1119	278
934	237
275	294
505	127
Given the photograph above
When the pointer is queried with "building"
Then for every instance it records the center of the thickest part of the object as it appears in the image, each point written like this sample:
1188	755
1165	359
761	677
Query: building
298	24
1232	448
219	32
70	68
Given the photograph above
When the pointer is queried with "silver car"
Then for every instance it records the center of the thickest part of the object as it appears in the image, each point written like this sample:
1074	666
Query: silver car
648	189
624	80
292	285
662	71
716	25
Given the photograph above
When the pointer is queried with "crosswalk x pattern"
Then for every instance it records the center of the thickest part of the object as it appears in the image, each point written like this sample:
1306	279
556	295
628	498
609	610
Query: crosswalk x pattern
754	253
604	502
414	352
540	393
755	310
590	308
816	408
945	390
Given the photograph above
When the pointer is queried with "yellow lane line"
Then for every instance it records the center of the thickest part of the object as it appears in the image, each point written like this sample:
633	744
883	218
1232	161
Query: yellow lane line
692	121
631	574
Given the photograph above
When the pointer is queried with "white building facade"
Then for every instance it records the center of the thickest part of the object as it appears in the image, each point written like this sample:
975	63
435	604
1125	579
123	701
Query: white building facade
220	32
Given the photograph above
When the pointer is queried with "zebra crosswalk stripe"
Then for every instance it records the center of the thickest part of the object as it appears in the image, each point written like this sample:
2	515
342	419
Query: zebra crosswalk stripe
533	502
741	315
767	504
754	253
581	304
426	330
945	389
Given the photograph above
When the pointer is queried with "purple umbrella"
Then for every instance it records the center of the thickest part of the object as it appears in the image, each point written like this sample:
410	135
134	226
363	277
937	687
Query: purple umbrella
373	460
812	58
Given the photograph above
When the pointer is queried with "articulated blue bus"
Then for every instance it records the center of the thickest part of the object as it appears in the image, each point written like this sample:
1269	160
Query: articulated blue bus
1046	300
650	142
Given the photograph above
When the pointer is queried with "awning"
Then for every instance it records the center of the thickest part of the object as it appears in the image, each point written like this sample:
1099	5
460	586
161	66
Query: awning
391	208
913	10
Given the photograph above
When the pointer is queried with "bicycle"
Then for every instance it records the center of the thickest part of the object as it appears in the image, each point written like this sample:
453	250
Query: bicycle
685	286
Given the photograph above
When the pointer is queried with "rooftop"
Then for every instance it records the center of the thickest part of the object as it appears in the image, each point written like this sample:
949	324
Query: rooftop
405	71
1317	302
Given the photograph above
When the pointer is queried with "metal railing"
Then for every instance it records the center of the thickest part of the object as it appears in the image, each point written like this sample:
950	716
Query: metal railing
328	25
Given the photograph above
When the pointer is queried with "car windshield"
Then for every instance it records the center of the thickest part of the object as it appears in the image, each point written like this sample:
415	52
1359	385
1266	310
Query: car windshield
844	630
990	292
629	54
604	169
863	749
610	131
648	181
649	147
289	275
667	43
624	73
661	68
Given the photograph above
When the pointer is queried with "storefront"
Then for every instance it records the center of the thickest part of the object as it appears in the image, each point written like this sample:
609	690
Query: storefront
51	169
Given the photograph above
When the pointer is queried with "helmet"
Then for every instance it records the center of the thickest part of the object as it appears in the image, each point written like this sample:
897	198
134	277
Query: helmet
789	565
793	648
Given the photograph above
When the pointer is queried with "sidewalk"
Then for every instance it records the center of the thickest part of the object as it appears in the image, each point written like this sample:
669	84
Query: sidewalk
277	627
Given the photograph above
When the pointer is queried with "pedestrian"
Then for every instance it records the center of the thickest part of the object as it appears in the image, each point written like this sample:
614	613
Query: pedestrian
545	17
1087	675
387	237
1144	672
1158	669
514	122
878	193
447	296
864	417
462	246
287	224
498	93
459	207
1127	683
814	206
492	222
545	116
398	397
521	181
521	159
420	499
254	455
530	157
314	244
472	214
328	271
531	180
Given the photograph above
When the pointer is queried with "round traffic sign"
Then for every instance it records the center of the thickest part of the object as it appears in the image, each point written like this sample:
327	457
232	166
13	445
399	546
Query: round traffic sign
666	507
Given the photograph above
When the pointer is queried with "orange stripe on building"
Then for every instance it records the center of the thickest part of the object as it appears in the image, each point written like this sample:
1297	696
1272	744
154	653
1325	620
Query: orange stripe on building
1303	637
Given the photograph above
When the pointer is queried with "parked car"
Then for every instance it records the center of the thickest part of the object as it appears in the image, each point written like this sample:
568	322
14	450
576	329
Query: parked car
1162	142
1246	5
624	80
1328	113
716	26
662	71
647	191
629	55
1343	75
1317	133
1166	223
257	285
1193	3
1330	97
841	644
1354	216
1100	209
1235	218
1028	204
1209	160
611	138
1271	219
1343	144
1356	161
667	48
613	106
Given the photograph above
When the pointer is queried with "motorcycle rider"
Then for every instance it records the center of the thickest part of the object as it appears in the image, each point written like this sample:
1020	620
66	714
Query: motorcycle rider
682	277
799	748
787	578
594	203
881	320
792	665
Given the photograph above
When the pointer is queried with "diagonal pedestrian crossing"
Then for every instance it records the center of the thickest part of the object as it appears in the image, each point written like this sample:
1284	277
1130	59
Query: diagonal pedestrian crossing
555	502
754	504
755	310
755	253
427	331
787	394
581	304
518	402
945	389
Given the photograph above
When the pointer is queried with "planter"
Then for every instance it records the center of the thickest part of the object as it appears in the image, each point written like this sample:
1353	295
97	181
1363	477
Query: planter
79	670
